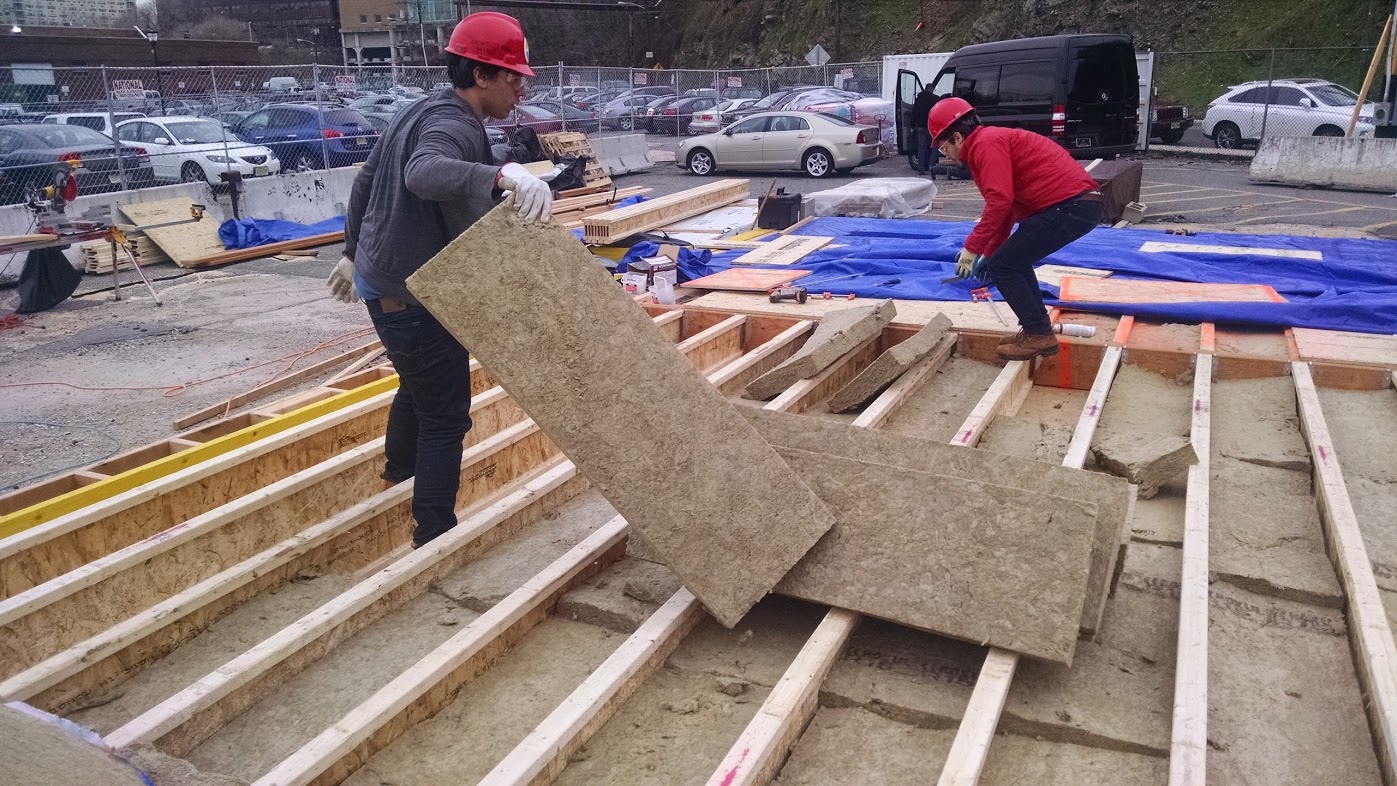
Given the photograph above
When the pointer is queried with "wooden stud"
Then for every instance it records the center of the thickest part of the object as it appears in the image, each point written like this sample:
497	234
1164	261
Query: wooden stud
541	756
432	682
187	718
735	376
911	381
716	346
620	224
1091	409
671	323
972	743
1370	635
808	392
1005	397
1188	747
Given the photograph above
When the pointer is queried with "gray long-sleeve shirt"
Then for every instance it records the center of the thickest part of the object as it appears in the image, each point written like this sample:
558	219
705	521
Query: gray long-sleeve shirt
430	177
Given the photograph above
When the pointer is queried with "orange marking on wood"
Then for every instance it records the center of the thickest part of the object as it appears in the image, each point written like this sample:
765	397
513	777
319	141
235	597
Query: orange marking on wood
1207	338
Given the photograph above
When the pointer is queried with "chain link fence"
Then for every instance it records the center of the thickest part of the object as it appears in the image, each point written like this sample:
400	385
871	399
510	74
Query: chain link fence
1234	99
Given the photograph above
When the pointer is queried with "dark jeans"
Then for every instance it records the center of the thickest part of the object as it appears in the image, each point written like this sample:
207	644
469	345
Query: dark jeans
1011	266
927	154
430	414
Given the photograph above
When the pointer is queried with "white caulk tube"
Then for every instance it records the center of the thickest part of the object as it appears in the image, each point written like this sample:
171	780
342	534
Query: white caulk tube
1069	329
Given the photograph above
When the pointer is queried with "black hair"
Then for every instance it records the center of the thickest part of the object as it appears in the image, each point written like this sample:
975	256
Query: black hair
462	71
963	126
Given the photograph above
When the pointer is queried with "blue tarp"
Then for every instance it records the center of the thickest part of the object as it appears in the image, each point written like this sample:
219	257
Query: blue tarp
1353	288
250	232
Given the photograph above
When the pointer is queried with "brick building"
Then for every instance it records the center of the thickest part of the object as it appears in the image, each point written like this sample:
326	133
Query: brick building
395	32
75	13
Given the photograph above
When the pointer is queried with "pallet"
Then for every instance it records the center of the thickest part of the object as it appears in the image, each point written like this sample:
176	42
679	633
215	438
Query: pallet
97	254
572	143
617	225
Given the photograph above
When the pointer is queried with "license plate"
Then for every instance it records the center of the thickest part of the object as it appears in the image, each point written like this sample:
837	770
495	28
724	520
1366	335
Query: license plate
114	178
359	141
259	171
1175	126
1082	141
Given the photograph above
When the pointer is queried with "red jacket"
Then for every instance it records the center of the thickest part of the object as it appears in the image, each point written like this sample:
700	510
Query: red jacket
1019	173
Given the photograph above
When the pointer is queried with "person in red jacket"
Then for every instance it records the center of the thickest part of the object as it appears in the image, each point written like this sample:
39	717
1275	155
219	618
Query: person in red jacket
1027	179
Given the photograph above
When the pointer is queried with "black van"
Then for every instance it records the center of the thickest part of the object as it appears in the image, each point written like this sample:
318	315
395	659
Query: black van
1080	90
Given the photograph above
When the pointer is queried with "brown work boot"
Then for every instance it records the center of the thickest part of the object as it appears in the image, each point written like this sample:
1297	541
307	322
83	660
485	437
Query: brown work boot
1007	340
1028	346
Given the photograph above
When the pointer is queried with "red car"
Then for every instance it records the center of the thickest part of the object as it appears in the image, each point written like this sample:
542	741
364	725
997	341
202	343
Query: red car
540	120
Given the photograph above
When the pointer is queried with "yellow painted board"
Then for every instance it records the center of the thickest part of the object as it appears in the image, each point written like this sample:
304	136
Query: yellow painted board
78	499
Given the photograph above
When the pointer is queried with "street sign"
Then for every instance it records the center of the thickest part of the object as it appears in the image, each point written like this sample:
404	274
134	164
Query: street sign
641	79
344	83
128	90
847	73
734	81
818	56
574	80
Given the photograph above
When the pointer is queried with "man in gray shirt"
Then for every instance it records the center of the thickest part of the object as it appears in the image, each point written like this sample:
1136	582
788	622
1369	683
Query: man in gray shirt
429	178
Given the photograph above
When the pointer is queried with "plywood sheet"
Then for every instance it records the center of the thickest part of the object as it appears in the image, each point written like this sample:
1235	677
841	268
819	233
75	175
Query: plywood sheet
748	280
1115	290
1362	349
984	563
1157	247
784	250
1110	495
910	313
1053	274
587	363
184	243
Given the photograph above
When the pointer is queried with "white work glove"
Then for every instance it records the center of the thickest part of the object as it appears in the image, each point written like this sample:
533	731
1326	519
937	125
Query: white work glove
341	281
965	262
528	194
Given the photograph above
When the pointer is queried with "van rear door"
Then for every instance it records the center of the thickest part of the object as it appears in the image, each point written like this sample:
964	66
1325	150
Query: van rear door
909	86
1102	96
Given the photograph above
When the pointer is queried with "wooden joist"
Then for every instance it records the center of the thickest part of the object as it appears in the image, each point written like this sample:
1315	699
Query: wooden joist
617	225
808	392
1188	746
1370	634
735	376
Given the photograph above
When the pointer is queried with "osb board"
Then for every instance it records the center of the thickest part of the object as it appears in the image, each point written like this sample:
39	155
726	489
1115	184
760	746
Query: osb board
1110	495
910	313
745	280
1016	578
1361	349
1156	247
712	498
1112	290
184	243
1053	274
784	250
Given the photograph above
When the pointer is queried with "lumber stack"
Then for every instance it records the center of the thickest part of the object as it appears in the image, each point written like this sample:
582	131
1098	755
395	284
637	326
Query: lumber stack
572	143
617	225
97	254
572	210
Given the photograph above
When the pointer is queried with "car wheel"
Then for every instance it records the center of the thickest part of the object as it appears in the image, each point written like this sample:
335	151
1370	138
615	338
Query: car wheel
1171	137
817	163
626	124
1227	136
1329	131
701	162
191	173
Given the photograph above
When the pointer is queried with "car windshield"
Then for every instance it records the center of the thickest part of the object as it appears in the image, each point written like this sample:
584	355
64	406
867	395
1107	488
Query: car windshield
536	113
769	101
196	132
67	136
1334	95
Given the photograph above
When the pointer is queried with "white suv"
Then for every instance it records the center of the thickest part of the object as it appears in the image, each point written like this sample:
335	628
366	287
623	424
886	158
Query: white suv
1283	107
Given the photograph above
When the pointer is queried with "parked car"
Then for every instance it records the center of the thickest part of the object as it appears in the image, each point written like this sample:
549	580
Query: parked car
1081	91
765	104
708	121
31	154
229	118
309	136
540	120
811	142
191	149
675	118
101	122
386	104
1287	107
621	112
282	84
655	108
1169	121
574	119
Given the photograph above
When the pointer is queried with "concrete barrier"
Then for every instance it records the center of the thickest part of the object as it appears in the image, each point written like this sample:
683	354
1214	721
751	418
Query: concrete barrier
1360	164
621	154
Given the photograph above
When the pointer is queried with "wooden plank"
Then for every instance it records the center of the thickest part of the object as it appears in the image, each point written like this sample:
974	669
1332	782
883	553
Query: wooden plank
187	718
965	316
911	380
1370	634
808	392
784	250
1053	274
272	386
618	225
1005	397
1117	290
1158	247
1359	349
716	346
1080	445
196	244
541	756
732	378
1188	747
431	683
747	279
761	749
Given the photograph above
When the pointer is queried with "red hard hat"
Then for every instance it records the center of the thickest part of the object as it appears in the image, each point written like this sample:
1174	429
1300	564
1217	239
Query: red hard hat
944	113
492	38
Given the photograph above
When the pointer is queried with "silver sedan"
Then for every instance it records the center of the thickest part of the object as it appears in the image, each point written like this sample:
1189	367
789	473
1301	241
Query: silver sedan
815	143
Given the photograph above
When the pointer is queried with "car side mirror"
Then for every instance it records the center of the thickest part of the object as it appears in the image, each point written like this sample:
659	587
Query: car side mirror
727	131
160	140
1307	103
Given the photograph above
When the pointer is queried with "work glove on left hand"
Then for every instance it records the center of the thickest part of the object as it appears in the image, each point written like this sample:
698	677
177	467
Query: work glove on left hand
531	196
341	281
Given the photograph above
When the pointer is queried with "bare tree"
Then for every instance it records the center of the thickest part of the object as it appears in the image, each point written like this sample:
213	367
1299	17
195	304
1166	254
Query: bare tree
217	28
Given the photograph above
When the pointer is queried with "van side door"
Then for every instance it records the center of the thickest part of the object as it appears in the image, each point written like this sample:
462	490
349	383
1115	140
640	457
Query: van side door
979	85
909	86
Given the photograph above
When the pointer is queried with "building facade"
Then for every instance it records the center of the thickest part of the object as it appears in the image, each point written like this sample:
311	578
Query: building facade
395	32
285	21
64	13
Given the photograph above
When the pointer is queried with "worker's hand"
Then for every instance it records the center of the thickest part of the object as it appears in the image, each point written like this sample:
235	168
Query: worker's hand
981	268
341	281
965	262
530	195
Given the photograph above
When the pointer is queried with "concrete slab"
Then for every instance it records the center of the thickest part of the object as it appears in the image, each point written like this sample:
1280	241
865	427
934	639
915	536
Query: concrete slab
586	362
1148	462
890	365
1110	495
1359	163
986	563
838	333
